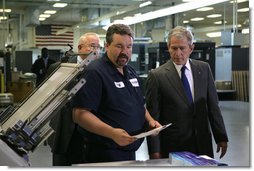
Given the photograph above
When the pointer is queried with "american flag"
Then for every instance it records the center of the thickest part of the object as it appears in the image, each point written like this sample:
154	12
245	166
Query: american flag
45	35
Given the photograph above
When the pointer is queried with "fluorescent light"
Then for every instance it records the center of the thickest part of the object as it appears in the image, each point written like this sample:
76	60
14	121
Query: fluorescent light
243	10
186	21
138	14
239	1
213	34
120	12
3	18
60	5
214	16
49	12
44	15
5	10
42	19
197	19
219	22
172	10
246	31
205	9
145	4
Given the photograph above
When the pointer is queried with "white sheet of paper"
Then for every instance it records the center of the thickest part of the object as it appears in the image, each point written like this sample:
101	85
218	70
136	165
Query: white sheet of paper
153	131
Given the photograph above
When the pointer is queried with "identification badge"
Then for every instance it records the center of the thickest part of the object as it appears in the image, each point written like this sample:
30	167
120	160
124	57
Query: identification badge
134	82
119	84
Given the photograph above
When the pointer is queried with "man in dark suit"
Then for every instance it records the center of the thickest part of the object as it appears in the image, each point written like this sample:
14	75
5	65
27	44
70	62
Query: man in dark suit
67	144
192	119
41	65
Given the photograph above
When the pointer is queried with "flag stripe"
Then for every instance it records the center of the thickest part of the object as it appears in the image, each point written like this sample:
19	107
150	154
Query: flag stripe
46	36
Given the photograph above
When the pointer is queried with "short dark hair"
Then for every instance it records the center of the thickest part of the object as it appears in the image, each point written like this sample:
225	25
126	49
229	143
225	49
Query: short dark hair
121	29
44	49
44	52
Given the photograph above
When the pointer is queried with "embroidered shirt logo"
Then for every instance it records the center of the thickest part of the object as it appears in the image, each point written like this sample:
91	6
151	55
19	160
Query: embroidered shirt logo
134	82
119	84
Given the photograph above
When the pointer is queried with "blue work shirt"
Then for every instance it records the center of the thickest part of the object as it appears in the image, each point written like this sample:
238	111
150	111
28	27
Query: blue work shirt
114	98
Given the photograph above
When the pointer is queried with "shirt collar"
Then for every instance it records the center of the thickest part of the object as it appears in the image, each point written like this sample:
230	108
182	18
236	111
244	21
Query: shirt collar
178	67
188	65
79	60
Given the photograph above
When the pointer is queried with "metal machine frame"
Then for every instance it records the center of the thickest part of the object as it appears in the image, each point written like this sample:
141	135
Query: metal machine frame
26	126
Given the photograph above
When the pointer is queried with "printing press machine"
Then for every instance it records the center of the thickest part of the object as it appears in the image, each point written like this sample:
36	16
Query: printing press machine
24	127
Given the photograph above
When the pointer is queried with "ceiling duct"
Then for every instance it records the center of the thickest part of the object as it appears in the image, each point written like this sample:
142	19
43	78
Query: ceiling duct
32	17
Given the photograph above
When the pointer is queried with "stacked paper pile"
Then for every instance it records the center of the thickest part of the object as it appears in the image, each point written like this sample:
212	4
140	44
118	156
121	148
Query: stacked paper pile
190	159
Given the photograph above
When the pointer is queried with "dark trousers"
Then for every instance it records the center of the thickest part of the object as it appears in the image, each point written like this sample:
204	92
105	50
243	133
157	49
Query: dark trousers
190	145
76	153
67	159
97	153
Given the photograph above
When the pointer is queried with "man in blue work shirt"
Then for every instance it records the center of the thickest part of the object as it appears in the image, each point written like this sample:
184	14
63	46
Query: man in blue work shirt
110	106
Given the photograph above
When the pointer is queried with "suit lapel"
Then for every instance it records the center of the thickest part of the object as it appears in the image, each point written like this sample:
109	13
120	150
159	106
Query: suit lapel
175	80
196	73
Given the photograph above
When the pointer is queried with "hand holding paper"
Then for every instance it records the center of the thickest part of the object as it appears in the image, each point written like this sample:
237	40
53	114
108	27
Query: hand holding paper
153	131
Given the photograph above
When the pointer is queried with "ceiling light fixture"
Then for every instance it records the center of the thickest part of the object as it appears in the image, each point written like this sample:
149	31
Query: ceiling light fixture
42	19
5	10
219	22
205	9
138	14
3	18
60	5
49	12
145	4
213	34
120	12
243	10
239	1
246	31
214	16
197	19
170	10
44	15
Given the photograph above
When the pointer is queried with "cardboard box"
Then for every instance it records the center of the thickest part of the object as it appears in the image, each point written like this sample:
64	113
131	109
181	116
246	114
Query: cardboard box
20	90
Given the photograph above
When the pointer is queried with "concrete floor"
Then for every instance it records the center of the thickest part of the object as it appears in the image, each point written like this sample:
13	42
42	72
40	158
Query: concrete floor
237	120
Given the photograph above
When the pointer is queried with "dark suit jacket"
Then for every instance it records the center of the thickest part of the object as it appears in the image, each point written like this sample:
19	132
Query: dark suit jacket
191	124
66	141
40	69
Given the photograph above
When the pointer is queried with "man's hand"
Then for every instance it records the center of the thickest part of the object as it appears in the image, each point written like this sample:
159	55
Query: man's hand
155	156
121	137
223	147
154	124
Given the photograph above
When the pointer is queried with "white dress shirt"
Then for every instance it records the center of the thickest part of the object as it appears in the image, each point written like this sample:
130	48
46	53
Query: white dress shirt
188	74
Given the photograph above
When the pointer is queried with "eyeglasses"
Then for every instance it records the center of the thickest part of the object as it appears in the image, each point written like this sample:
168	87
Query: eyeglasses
92	46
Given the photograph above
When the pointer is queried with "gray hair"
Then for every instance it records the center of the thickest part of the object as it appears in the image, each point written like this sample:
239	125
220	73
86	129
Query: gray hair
82	39
180	32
